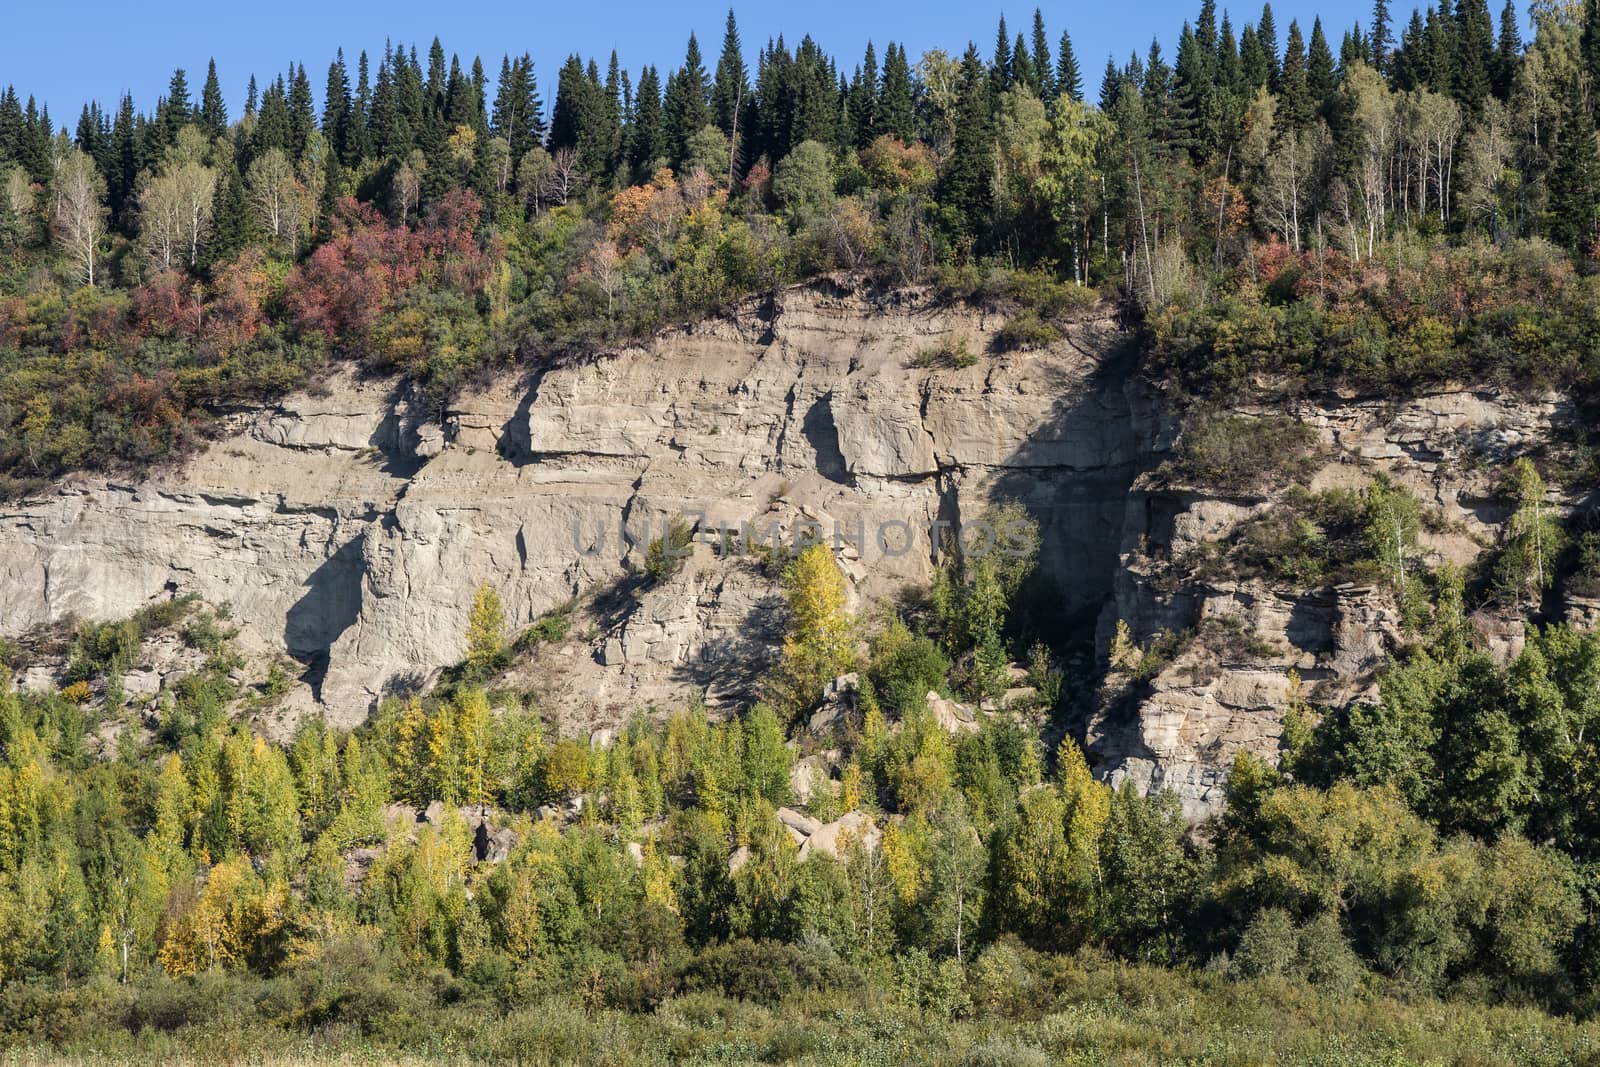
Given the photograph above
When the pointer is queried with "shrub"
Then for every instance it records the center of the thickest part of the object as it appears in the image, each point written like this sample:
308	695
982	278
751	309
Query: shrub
1026	331
664	558
547	630
766	972
905	667
952	352
1235	453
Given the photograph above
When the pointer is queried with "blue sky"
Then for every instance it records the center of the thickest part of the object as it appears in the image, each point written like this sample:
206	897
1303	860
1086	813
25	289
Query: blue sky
66	55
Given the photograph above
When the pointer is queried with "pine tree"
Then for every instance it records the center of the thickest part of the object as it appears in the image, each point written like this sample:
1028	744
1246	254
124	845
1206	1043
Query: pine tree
213	111
179	112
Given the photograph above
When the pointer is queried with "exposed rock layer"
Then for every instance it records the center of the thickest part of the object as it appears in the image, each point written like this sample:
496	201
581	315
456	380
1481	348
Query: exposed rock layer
351	530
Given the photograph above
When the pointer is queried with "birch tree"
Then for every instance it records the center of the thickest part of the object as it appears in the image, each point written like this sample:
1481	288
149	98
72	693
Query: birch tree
80	211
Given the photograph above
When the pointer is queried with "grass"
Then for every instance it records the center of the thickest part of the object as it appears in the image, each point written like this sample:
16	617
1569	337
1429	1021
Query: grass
1072	1010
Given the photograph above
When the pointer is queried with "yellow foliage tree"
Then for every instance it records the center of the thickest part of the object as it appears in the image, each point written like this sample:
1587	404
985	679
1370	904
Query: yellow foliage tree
820	644
486	629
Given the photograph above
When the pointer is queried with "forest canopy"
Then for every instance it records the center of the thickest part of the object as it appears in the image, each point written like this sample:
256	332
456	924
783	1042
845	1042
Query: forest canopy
1417	203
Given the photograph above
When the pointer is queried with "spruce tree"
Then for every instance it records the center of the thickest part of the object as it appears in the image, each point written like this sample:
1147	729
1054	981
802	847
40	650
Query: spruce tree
301	116
566	117
1508	52
361	112
1000	65
1575	173
897	109
1267	33
213	111
1475	60
178	111
1380	42
686	109
1022	66
1294	92
965	184
730	92
1321	78
1043	70
336	109
1230	74
1254	70
646	140
1069	82
1110	85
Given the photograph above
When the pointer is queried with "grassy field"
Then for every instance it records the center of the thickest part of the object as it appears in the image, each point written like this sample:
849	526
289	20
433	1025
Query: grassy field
1107	1014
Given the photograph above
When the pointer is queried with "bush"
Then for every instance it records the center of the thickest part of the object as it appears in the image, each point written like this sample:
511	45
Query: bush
664	558
766	972
905	667
1026	331
952	352
1234	453
547	630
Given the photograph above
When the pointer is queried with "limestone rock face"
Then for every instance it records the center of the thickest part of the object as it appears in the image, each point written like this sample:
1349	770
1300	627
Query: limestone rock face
1227	687
348	527
351	530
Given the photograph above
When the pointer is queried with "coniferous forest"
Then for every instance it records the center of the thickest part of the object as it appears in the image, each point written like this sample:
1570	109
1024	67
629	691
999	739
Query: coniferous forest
1275	212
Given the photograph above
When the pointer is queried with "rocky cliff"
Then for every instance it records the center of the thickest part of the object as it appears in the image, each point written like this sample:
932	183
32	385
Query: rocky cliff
350	528
347	528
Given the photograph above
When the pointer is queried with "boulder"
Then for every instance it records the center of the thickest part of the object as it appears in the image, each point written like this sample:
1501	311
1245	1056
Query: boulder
830	838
